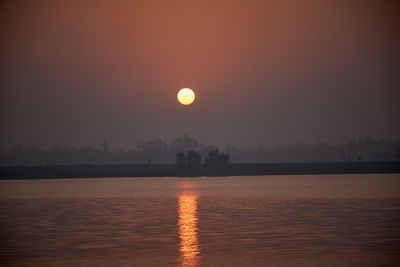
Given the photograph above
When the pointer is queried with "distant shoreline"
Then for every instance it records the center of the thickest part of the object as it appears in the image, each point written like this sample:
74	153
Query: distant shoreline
170	170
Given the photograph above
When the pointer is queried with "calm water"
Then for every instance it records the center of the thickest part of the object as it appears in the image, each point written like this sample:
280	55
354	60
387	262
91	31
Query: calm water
317	220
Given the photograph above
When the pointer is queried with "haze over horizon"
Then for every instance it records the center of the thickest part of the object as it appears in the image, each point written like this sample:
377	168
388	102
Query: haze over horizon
264	72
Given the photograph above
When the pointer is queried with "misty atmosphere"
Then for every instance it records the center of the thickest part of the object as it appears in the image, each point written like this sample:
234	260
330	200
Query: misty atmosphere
200	133
158	151
264	72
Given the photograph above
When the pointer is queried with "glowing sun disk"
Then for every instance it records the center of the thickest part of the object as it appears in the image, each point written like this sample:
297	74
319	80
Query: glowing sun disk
186	96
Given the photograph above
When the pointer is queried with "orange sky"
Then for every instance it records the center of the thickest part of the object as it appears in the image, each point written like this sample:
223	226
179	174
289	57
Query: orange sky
265	72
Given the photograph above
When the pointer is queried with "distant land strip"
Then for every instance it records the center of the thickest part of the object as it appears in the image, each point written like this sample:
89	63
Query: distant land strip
170	170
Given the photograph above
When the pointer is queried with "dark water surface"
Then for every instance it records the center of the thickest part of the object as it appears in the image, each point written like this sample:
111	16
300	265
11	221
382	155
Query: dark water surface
319	220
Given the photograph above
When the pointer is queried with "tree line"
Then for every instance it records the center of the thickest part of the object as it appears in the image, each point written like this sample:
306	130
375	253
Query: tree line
193	159
158	151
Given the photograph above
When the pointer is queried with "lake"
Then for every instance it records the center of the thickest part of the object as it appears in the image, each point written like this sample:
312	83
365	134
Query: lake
296	220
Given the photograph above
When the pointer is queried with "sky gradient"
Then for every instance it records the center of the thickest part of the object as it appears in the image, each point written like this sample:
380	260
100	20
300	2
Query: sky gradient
264	72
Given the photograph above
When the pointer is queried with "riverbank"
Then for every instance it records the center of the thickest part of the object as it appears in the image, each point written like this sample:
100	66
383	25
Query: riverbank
170	170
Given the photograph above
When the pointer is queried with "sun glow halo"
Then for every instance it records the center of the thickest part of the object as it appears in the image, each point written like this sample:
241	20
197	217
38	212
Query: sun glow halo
186	96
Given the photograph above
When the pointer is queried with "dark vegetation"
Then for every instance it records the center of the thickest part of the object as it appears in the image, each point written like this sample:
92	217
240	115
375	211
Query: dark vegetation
192	160
216	159
159	152
191	163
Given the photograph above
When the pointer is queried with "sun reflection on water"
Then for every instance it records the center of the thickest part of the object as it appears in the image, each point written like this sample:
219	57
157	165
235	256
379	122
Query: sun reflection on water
189	245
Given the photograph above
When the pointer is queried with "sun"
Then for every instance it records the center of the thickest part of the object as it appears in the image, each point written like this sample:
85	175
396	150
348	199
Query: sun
186	96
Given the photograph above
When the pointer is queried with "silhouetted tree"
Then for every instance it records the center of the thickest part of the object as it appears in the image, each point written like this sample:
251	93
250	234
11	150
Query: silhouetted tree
105	145
181	160
193	159
216	159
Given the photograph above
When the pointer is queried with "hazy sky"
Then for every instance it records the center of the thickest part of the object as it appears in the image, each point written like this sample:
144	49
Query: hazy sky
265	72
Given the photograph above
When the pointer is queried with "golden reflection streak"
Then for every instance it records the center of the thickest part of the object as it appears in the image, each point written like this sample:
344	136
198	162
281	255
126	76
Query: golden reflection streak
189	245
